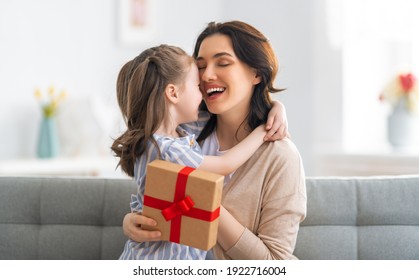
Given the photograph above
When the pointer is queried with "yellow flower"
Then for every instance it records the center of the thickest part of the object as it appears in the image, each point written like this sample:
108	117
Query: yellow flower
38	94
51	90
62	95
50	103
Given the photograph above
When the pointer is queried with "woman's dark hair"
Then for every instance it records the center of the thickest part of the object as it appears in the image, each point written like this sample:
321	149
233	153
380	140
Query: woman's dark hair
140	93
254	49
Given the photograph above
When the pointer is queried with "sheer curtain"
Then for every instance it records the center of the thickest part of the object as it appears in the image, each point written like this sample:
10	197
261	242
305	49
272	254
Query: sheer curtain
379	39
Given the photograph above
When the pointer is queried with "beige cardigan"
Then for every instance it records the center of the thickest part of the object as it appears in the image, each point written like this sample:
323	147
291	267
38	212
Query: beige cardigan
267	195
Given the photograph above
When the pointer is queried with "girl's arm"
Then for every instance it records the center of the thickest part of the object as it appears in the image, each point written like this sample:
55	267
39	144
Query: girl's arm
236	156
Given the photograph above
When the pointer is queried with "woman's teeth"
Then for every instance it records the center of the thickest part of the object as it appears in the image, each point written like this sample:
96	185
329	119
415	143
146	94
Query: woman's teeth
212	91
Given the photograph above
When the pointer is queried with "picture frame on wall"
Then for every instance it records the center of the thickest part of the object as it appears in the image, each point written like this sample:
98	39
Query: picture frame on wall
136	21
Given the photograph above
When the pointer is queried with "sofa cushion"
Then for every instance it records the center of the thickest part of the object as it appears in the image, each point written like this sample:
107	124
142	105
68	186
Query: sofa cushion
361	218
63	218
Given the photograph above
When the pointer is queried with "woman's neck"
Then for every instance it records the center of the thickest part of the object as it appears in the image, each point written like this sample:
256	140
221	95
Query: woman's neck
231	130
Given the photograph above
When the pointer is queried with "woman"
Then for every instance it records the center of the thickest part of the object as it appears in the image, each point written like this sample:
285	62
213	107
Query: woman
264	201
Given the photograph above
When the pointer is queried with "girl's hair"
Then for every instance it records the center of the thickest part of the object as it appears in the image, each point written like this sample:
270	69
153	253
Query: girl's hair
254	49
140	93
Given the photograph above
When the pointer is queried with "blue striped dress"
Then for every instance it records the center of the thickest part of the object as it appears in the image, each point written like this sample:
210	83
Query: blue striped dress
185	151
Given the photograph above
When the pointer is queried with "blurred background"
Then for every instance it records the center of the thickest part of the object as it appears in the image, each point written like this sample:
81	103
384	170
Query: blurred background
336	59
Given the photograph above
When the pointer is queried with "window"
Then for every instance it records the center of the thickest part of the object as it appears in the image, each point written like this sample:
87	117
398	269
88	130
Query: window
378	39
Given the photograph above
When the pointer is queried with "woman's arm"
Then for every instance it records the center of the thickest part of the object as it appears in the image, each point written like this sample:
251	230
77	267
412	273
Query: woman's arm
236	156
229	229
268	214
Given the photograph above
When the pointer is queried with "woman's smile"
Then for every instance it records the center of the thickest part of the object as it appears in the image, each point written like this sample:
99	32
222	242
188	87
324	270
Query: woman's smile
212	92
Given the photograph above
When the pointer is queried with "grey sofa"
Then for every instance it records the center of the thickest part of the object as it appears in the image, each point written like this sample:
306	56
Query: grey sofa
80	218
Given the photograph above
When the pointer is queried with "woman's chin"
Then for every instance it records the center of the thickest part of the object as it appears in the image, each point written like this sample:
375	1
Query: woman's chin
214	109
214	106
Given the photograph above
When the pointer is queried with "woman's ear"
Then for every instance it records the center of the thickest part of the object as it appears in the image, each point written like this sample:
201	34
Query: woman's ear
172	93
257	79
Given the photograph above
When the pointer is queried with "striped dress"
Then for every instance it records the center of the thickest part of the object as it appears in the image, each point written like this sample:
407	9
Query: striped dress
185	151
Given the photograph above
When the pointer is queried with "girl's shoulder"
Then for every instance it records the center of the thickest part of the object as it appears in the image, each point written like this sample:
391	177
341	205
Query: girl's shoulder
182	150
166	142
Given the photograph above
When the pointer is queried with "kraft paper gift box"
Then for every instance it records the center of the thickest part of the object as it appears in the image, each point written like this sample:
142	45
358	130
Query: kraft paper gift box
185	203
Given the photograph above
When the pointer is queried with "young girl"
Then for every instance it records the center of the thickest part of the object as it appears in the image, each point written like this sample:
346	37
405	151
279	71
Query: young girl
157	92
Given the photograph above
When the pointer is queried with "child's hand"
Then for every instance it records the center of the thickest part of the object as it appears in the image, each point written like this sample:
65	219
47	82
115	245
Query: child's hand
132	228
277	124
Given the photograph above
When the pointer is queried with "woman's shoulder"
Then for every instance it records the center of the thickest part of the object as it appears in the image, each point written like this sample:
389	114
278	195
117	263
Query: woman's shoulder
282	163
281	150
274	158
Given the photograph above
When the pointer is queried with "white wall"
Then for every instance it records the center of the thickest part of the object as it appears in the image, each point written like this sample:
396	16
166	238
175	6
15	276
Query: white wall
74	44
288	25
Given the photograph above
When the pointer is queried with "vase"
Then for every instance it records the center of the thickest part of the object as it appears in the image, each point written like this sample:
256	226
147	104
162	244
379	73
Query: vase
400	126
48	144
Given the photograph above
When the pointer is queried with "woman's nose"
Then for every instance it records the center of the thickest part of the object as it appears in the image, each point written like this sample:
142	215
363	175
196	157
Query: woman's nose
208	74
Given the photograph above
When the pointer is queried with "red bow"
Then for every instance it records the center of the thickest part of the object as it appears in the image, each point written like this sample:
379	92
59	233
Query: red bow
179	208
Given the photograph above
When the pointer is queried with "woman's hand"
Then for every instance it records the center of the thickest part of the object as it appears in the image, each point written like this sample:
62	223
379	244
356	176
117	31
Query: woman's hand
277	123
132	228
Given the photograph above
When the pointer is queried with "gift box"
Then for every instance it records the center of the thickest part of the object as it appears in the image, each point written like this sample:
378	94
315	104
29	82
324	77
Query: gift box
185	203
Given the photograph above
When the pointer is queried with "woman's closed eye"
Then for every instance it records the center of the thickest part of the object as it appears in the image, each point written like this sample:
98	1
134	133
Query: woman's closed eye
202	66
223	63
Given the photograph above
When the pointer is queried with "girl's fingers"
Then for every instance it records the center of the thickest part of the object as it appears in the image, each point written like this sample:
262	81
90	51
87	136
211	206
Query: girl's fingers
143	220
269	135
281	132
269	122
271	128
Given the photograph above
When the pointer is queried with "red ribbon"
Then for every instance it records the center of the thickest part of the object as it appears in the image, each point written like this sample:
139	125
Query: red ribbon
181	206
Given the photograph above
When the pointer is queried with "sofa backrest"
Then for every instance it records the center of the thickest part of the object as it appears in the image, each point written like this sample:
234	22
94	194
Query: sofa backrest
63	218
361	218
